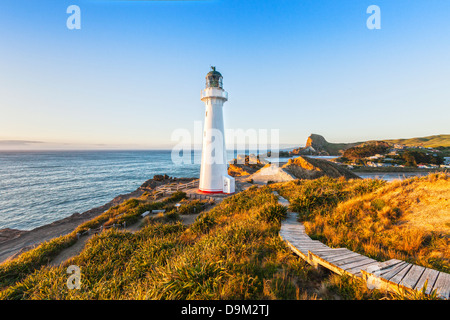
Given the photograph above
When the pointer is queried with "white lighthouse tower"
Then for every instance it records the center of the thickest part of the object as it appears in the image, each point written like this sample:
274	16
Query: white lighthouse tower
214	176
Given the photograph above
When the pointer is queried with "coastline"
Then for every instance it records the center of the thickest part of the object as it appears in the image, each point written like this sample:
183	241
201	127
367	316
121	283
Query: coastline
397	170
13	242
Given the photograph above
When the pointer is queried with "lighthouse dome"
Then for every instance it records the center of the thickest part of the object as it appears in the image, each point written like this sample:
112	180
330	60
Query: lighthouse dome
214	79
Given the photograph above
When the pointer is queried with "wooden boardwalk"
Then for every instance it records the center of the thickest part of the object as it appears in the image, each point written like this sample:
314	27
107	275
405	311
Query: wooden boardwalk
392	275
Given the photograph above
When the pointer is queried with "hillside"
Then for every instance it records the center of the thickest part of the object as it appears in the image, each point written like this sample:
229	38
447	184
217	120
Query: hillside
318	145
240	170
310	168
442	140
300	168
233	251
407	220
366	149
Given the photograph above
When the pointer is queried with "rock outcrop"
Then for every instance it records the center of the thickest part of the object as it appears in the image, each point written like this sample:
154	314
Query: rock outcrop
317	145
273	173
301	168
309	168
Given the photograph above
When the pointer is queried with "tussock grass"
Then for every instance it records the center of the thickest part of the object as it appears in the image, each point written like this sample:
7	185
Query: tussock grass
232	251
404	219
129	211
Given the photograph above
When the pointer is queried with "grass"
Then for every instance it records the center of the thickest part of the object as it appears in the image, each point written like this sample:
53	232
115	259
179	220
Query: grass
405	220
442	140
129	212
233	251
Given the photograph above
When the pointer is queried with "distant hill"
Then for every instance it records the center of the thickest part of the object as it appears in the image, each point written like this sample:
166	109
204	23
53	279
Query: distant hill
367	149
441	140
317	145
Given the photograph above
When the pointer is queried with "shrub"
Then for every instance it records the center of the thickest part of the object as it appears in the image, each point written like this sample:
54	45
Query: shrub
203	224
132	203
177	196
272	213
172	215
378	204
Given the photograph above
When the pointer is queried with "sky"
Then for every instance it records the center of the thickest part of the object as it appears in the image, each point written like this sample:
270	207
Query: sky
132	75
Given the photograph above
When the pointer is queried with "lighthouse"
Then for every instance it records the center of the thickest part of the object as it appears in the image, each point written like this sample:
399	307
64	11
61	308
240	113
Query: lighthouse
214	176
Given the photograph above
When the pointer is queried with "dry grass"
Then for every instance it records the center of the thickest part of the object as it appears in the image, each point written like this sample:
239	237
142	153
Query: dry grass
230	252
233	251
407	220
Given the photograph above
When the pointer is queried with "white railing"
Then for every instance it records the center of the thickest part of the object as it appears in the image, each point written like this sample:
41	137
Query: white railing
213	92
177	187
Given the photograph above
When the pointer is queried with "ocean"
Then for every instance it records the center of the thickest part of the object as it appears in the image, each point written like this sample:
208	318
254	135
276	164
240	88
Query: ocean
39	187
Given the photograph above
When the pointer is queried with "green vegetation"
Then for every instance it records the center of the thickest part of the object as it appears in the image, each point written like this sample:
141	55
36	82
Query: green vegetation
442	140
129	212
381	221
367	149
231	252
234	251
413	157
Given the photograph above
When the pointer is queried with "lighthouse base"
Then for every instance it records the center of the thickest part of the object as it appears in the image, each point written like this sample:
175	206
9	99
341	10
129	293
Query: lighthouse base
228	186
210	192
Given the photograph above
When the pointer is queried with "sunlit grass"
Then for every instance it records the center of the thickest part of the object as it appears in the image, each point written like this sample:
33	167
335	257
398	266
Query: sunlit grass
234	251
377	220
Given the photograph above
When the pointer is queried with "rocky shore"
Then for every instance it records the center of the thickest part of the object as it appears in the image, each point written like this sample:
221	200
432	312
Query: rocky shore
13	242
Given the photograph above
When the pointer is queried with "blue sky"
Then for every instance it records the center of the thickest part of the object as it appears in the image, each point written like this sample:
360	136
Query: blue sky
133	73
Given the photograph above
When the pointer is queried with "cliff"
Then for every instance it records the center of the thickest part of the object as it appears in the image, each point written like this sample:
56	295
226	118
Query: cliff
309	168
317	145
301	168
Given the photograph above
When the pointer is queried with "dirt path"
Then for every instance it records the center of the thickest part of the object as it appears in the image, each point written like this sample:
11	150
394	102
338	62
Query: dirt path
24	241
76	248
14	245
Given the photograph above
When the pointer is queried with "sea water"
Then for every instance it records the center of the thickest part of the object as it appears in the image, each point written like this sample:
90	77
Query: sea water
40	187
37	188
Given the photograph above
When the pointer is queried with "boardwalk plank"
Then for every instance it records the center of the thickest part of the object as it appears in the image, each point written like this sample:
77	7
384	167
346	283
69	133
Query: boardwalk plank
346	256
391	271
429	275
399	275
442	285
345	261
308	242
328	250
383	267
356	264
324	252
411	278
396	274
327	254
357	270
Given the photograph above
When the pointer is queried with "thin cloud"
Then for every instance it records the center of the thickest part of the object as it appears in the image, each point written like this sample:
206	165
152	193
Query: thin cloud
18	142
